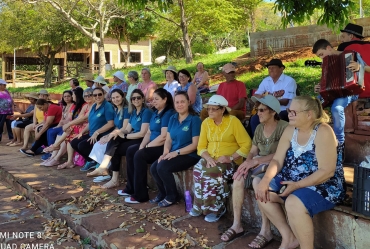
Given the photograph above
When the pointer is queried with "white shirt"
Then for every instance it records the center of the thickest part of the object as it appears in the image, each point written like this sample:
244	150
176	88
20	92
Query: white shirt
172	87
284	82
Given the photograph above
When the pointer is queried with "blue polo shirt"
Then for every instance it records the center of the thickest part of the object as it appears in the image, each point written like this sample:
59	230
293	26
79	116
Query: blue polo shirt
98	118
136	120
182	133
120	116
158	121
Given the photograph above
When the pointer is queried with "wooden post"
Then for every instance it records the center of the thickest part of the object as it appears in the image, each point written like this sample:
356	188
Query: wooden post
3	67
13	81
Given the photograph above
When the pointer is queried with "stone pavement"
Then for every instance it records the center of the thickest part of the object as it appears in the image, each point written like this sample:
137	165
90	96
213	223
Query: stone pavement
39	199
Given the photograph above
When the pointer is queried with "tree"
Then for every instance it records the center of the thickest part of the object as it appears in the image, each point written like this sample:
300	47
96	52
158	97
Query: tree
189	18
93	17
131	29
336	13
39	28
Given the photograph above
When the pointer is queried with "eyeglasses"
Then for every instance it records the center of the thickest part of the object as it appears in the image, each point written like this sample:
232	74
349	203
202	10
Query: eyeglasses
96	95
88	96
261	109
293	112
213	109
136	98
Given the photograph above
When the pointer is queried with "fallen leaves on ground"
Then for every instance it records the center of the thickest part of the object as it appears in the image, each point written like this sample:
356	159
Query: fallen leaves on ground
89	202
58	228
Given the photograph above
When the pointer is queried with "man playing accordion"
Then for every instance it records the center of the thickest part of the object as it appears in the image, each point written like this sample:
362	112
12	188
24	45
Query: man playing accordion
323	48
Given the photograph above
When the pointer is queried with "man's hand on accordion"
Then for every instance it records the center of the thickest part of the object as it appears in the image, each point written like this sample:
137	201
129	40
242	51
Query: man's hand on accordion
354	66
317	88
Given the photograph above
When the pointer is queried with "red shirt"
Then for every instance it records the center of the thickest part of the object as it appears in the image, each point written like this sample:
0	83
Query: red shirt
233	91
55	111
363	48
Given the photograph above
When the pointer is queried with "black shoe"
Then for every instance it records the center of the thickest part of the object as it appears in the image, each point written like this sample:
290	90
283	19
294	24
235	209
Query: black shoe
27	153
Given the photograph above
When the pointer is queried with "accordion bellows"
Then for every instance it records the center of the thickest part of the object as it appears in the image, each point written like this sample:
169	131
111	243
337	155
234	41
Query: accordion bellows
337	80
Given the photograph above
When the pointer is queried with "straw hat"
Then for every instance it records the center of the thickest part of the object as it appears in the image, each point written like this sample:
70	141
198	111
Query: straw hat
32	95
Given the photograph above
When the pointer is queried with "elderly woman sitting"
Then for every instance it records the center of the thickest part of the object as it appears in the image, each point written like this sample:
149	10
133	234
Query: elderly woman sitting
222	143
306	174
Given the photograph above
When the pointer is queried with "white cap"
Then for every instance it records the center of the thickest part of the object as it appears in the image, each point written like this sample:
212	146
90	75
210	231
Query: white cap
217	100
120	75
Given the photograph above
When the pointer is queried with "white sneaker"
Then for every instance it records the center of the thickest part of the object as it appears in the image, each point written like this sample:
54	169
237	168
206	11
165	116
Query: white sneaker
101	178
121	193
131	200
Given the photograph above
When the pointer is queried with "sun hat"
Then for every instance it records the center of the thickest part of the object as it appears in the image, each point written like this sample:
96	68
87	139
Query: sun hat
217	100
100	80
120	75
353	29
275	62
170	68
88	77
227	68
269	101
3	82
32	95
43	91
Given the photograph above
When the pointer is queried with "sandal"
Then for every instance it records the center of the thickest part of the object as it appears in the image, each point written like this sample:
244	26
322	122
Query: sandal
110	184
51	148
164	203
259	242
231	235
98	172
66	165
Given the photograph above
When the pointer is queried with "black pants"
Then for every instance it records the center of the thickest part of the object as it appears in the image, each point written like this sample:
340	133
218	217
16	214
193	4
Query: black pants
24	123
83	147
163	175
137	164
8	123
43	140
117	149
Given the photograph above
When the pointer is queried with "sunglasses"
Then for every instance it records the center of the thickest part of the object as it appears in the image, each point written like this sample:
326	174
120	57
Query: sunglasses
96	95
213	109
136	98
293	112
261	109
88	96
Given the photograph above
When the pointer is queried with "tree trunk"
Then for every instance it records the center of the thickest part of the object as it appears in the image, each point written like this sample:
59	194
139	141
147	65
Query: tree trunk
49	63
185	34
102	60
253	19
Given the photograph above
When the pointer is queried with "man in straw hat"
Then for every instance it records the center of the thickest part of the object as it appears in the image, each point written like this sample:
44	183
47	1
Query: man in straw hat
89	80
279	85
233	91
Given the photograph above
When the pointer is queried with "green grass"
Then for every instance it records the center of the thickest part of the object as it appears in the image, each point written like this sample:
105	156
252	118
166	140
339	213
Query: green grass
211	62
306	77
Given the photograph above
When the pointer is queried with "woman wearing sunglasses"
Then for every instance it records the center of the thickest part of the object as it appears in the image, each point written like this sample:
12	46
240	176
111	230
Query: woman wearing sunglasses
138	156
308	161
265	142
79	114
121	139
100	123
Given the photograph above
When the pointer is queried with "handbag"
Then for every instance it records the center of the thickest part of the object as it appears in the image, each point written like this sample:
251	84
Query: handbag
78	160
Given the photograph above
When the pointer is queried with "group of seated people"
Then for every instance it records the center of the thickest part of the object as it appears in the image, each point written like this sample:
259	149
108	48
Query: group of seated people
171	130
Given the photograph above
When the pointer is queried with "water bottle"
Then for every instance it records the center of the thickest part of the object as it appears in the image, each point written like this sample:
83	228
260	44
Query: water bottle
188	201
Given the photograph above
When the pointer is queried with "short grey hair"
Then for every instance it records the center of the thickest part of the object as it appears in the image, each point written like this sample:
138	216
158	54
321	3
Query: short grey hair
133	74
147	69
89	90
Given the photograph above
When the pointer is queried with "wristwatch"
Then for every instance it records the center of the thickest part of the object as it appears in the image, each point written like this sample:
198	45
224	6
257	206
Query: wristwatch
178	152
231	158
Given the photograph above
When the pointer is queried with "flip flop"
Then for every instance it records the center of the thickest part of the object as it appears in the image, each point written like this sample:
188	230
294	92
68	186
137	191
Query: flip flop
260	241
102	178
231	235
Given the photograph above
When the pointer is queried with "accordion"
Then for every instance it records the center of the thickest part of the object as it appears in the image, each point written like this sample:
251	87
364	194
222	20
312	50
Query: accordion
337	80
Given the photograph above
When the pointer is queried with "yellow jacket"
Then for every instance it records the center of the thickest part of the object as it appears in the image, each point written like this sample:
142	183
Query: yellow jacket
224	139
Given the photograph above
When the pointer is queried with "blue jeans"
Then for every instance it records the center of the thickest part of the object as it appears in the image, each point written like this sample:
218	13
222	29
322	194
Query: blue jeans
52	134
338	115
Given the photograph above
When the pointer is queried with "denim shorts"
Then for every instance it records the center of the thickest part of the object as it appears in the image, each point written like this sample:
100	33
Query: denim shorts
313	201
